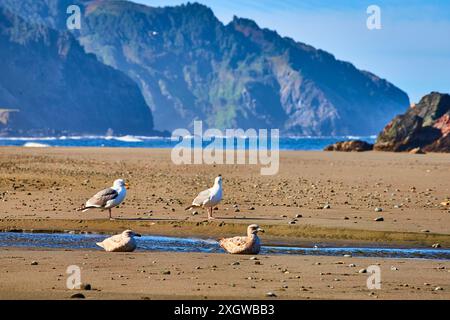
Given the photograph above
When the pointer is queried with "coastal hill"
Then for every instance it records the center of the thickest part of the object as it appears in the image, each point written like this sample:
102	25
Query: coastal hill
49	85
189	65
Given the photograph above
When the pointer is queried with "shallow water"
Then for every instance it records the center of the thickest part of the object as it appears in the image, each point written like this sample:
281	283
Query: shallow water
172	244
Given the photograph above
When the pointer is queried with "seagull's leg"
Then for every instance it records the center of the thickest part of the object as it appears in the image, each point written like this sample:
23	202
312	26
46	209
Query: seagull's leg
210	210
110	217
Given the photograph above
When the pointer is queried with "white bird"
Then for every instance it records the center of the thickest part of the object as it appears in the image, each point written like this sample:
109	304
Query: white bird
107	198
209	198
244	245
123	242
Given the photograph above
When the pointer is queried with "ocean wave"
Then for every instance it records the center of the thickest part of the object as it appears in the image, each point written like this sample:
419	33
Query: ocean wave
128	139
35	145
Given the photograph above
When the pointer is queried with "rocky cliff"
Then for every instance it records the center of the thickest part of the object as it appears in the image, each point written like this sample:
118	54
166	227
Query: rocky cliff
425	125
49	85
188	65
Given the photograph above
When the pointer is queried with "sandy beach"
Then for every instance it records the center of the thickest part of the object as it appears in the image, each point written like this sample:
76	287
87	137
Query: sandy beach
41	187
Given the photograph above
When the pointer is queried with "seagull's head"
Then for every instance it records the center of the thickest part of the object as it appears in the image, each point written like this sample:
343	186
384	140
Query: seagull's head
130	234
120	183
254	229
218	180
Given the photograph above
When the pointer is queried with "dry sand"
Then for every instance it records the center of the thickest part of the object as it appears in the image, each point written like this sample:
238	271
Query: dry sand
41	187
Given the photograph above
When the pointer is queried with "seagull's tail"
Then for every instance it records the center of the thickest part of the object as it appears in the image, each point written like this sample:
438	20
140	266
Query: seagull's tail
100	244
83	208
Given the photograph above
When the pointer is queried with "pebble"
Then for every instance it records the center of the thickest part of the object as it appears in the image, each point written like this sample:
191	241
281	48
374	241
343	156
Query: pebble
77	296
352	265
86	286
194	213
298	216
362	271
270	294
394	268
327	206
378	209
236	263
34	263
438	289
379	219
166	272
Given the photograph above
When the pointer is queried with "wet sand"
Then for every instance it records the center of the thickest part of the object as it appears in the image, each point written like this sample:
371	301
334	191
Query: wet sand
41	187
143	275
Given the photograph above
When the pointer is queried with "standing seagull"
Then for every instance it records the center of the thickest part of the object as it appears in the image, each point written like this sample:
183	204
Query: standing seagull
107	198
123	242
244	245
209	198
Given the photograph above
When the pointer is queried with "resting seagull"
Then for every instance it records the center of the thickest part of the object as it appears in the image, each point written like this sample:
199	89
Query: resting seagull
123	242
107	198
244	245
209	198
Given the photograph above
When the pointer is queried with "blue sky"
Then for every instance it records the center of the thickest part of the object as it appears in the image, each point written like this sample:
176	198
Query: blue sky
412	49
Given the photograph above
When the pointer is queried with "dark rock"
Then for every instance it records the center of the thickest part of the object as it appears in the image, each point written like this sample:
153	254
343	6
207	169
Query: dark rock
77	296
351	145
86	286
423	127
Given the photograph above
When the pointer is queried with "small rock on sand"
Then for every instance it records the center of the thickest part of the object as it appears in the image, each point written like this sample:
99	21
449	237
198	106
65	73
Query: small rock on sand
271	294
379	219
378	209
86	286
77	296
362	271
34	263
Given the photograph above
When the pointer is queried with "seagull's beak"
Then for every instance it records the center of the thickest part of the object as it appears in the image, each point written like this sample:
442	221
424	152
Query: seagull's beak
260	230
127	186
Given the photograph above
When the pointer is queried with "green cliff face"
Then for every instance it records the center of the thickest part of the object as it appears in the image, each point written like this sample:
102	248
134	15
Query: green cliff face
53	86
188	65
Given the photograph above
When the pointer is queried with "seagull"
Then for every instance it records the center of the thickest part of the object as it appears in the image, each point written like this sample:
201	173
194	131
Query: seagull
209	198
107	198
123	242
243	245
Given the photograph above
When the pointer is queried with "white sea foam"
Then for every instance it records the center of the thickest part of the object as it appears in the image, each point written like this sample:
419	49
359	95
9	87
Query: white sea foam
35	145
128	139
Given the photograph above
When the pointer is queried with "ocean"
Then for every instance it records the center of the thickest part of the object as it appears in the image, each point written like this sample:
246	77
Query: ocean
285	143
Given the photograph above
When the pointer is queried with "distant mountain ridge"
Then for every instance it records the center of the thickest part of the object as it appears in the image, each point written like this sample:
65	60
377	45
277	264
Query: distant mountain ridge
49	85
188	66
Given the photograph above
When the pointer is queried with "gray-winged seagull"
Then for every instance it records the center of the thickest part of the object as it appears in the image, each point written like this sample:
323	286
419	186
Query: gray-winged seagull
209	198
244	245
123	242
107	198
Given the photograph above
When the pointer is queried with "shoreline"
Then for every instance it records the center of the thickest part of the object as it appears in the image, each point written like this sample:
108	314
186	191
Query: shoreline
41	187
